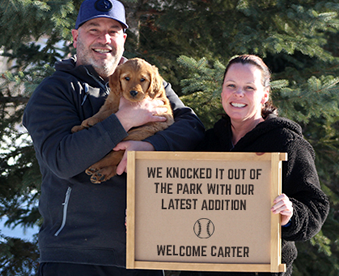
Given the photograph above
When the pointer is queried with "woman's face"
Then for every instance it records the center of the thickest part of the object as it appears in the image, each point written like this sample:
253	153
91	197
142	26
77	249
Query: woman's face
243	93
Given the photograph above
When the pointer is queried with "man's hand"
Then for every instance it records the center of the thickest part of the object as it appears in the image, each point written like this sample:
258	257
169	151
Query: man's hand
136	114
127	146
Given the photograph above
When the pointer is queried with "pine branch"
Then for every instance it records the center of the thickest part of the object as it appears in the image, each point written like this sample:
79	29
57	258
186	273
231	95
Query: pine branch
14	99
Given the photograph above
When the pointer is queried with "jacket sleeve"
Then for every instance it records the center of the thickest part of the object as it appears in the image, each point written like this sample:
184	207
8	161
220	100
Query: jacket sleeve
55	107
49	116
301	185
186	132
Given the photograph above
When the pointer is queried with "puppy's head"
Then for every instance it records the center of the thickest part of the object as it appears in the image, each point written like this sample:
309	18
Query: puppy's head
135	80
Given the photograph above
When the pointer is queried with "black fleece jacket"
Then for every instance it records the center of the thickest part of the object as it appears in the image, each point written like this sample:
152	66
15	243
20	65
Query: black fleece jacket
299	177
84	223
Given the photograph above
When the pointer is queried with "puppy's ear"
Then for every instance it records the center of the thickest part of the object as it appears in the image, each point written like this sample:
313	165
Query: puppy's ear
156	85
114	82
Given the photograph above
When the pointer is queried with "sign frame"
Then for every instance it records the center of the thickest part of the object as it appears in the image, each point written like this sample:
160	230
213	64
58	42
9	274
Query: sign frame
275	159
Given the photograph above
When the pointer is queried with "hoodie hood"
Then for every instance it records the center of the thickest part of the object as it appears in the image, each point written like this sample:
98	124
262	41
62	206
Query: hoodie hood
85	73
262	138
274	124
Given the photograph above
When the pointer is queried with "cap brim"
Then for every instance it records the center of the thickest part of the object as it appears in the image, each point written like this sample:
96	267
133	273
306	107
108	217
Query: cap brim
125	26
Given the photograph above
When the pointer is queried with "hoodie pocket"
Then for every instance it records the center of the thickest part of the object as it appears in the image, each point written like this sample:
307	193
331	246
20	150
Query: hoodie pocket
64	213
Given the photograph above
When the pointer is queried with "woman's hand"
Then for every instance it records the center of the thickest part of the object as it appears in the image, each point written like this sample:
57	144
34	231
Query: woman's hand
283	206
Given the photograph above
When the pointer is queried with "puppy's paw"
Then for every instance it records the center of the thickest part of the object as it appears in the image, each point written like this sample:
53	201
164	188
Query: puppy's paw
91	170
97	178
90	122
101	175
77	128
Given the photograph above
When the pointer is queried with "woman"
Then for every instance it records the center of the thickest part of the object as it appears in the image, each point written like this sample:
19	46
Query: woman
251	125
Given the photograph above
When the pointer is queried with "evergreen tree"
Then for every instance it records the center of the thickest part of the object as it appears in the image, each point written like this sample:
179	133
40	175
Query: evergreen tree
295	41
25	23
190	42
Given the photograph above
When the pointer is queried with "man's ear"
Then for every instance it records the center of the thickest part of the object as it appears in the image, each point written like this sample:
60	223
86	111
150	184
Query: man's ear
75	37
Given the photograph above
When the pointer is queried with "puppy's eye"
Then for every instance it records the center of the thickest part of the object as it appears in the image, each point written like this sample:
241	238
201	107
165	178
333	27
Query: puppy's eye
127	78
142	80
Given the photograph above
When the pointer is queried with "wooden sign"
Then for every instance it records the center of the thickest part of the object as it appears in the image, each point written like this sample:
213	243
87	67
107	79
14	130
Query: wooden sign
203	211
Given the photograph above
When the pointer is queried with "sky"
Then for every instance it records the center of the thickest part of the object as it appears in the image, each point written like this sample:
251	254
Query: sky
18	232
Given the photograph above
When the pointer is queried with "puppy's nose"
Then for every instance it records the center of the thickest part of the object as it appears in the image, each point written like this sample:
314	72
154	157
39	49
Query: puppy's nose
133	93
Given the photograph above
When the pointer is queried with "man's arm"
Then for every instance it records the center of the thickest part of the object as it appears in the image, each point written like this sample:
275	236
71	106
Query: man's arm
186	132
49	117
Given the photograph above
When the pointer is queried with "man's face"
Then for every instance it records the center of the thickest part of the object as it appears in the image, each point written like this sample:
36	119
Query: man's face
100	42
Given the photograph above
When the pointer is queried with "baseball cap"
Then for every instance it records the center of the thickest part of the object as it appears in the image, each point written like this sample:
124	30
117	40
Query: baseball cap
91	9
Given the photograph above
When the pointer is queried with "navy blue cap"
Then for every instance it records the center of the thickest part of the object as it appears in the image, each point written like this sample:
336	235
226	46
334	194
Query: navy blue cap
91	9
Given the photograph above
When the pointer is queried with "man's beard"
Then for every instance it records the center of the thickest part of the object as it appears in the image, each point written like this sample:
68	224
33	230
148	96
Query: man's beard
104	67
107	68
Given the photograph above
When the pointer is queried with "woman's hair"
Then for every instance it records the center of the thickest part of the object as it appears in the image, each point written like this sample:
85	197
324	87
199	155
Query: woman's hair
268	107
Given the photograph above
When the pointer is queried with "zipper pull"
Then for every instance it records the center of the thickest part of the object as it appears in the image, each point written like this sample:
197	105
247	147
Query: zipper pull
108	90
86	93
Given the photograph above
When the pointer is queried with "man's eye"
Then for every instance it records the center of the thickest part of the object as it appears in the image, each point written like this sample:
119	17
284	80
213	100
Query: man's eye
127	78
142	80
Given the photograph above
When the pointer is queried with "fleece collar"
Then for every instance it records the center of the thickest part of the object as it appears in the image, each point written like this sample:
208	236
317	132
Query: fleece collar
272	123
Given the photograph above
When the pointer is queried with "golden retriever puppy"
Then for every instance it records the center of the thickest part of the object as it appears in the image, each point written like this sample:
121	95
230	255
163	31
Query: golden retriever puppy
135	80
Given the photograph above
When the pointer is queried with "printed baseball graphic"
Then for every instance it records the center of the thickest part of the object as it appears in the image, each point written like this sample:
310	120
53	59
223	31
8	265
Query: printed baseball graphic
203	228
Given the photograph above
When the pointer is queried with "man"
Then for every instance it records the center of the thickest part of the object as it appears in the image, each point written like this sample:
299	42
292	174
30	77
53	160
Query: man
83	231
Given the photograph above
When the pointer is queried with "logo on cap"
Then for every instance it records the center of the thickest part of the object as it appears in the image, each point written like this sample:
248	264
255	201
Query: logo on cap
103	5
